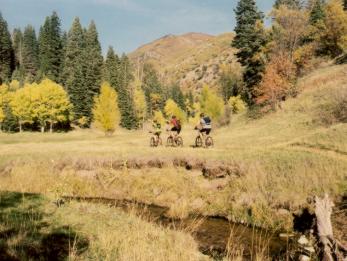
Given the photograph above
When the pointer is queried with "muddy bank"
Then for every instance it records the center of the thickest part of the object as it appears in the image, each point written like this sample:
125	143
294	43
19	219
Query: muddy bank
215	235
209	168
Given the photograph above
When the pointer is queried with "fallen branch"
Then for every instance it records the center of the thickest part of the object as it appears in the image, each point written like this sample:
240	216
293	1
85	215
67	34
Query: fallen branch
330	247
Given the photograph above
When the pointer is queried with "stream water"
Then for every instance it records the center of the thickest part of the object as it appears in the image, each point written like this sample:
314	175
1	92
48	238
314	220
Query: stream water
211	233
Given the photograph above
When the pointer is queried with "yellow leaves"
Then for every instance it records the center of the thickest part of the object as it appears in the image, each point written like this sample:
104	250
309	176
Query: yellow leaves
159	117
139	101
106	112
2	115
236	104
290	27
211	103
335	35
44	102
171	108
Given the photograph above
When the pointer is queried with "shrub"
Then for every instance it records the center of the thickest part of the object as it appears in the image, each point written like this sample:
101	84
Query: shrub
334	108
236	104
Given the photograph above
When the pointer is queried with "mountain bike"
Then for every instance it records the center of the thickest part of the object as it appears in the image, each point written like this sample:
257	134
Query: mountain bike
155	140
174	141
204	140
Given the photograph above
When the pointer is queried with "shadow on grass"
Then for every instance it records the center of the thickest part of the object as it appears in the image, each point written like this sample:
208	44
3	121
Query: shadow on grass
26	234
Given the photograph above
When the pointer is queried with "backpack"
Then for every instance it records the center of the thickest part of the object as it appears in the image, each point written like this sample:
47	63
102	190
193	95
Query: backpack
207	120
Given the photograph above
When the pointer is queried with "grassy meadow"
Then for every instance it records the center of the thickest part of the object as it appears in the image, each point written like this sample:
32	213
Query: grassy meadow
283	159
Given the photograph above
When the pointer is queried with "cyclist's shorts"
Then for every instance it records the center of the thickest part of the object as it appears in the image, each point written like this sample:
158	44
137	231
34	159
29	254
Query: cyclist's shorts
207	131
178	130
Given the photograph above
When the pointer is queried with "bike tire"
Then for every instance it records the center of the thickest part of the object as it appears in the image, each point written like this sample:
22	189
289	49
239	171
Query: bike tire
169	142
198	142
179	141
209	142
152	142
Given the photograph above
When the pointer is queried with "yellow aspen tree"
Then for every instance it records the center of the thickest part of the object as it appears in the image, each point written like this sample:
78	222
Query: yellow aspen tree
334	37
21	105
140	101
50	104
106	112
159	117
171	108
211	103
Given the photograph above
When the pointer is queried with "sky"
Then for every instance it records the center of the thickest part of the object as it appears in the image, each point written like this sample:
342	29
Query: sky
128	24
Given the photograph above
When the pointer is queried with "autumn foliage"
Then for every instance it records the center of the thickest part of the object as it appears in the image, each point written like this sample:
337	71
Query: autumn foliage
277	83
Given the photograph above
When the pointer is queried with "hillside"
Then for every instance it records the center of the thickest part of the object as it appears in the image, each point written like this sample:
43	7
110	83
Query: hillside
192	59
278	162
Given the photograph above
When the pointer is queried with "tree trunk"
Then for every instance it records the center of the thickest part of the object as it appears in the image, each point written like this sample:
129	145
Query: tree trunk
330	247
42	129
20	127
0	127
51	127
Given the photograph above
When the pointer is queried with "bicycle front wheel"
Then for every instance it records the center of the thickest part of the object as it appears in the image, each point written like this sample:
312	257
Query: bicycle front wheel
179	141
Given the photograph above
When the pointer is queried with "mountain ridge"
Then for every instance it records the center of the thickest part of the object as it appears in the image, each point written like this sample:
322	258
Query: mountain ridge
191	59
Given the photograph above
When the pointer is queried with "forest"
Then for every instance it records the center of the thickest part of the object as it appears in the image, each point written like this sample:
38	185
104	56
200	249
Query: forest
52	80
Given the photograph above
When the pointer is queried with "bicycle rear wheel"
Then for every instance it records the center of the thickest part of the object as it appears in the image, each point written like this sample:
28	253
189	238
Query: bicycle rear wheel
209	142
152	142
169	142
198	142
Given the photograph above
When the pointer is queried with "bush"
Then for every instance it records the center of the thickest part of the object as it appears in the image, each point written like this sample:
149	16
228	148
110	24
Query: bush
236	104
334	109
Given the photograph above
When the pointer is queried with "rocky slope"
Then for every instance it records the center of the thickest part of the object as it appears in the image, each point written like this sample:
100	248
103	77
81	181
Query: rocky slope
192	59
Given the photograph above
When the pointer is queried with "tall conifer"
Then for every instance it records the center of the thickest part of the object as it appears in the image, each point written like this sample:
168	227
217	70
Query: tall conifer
125	95
51	48
249	40
93	66
30	59
6	52
317	12
296	4
73	73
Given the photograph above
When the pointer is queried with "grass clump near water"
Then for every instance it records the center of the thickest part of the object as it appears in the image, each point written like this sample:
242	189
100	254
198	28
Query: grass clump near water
33	228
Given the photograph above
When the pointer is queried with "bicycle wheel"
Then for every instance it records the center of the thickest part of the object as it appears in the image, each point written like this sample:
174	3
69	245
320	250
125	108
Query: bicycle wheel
209	142
198	142
169	142
179	141
152	142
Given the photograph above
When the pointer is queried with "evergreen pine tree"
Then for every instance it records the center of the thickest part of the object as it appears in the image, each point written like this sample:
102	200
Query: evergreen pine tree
17	43
125	96
73	73
152	87
30	59
317	12
93	67
112	68
296	4
249	40
118	72
6	52
51	48
178	97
